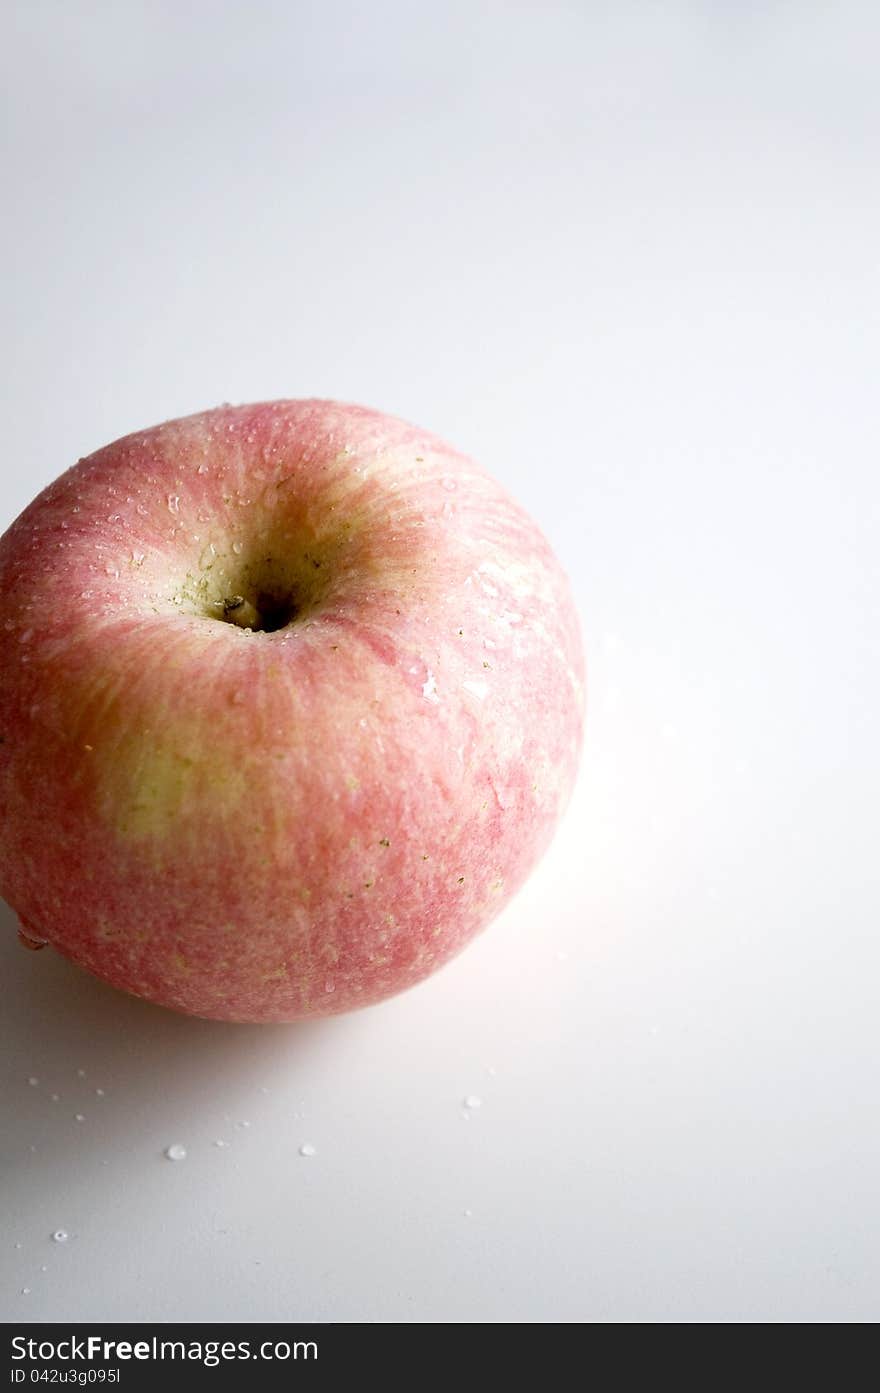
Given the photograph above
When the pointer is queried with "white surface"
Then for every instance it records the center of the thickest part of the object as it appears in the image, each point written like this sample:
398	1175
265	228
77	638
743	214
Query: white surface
627	256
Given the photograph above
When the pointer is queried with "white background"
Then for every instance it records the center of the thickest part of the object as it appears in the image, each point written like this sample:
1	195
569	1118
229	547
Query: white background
626	255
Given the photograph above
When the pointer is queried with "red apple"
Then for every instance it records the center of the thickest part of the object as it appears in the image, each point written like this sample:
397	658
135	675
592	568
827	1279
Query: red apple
291	700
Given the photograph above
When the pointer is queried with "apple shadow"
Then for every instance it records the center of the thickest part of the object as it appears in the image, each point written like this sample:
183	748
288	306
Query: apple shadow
69	1032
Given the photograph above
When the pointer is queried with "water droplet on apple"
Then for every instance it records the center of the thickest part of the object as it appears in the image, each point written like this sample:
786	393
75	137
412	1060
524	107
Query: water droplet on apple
307	1149
329	986
86	594
175	1152
173	503
202	469
236	547
60	1236
473	1101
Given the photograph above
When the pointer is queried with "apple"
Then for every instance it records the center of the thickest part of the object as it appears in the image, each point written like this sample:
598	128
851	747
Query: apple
291	701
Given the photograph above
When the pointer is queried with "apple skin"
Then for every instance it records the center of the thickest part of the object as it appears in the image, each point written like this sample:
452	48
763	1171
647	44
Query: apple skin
297	821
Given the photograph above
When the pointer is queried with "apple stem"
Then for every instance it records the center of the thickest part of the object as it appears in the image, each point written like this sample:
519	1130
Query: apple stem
240	611
29	939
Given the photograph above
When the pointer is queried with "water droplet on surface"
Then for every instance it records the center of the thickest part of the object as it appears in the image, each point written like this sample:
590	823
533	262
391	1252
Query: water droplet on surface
34	1082
60	1236
468	1213
242	1124
99	1093
80	1073
473	1101
221	1143
25	1291
18	1245
236	547
307	1149
44	1268
56	1098
79	1117
175	1152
